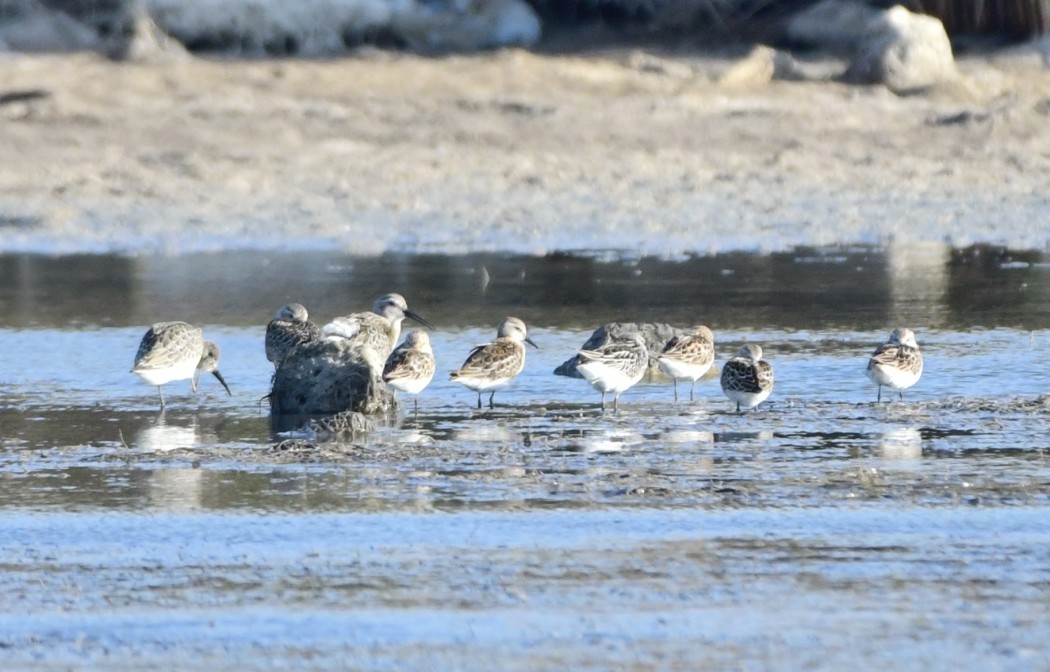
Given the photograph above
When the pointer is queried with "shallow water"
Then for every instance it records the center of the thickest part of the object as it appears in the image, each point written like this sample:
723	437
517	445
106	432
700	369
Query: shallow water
821	531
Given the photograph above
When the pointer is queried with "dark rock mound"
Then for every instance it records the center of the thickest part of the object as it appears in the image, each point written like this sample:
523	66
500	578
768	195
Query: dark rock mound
327	378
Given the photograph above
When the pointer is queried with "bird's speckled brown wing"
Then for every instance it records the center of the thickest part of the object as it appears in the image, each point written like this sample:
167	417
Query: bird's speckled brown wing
623	355
764	375
167	343
741	374
903	357
502	358
283	336
365	329
408	363
690	349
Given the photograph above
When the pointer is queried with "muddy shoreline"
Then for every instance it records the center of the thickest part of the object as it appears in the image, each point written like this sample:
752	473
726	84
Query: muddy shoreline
512	151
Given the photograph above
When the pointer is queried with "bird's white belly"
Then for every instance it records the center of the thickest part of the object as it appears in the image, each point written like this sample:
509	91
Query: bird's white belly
891	376
748	399
482	384
677	369
606	379
163	375
409	385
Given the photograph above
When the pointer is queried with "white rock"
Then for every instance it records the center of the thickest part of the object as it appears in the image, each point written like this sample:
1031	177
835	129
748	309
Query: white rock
754	70
148	43
906	52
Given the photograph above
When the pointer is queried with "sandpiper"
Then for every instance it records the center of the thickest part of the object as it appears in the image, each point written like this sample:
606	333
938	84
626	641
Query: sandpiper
176	351
289	329
688	356
897	363
491	366
615	366
410	367
747	379
380	328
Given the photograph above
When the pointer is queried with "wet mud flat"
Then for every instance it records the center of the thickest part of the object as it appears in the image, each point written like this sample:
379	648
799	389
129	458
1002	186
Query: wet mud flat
821	531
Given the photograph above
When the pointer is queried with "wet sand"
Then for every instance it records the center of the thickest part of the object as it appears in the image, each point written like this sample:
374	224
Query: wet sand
512	151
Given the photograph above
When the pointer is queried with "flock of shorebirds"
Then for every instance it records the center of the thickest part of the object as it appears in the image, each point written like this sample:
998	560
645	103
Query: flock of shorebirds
176	351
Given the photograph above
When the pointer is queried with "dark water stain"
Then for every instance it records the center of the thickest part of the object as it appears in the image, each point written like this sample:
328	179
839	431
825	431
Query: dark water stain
804	289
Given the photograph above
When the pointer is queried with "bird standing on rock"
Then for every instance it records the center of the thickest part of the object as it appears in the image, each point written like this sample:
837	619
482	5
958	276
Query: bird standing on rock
380	328
289	329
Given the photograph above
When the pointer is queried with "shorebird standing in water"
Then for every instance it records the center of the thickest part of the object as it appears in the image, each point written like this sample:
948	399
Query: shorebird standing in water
491	366
289	329
176	351
688	356
380	328
897	364
747	379
614	367
410	367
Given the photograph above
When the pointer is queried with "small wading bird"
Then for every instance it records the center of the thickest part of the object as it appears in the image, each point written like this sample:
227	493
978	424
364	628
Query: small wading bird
747	379
897	364
289	329
688	356
614	367
176	351
380	328
410	367
491	366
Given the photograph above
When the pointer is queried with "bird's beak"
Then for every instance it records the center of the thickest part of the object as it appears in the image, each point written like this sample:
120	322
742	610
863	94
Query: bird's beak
219	376
419	318
530	342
